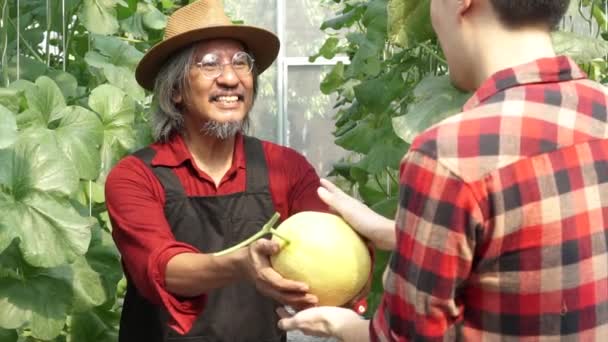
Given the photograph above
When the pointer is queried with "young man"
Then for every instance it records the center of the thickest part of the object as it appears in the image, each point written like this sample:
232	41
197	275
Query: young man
502	229
202	187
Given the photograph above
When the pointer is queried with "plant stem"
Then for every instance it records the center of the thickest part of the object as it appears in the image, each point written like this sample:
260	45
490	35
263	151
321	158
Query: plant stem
266	229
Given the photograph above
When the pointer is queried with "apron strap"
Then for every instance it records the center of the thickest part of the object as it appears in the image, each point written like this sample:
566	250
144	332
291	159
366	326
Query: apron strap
257	170
165	175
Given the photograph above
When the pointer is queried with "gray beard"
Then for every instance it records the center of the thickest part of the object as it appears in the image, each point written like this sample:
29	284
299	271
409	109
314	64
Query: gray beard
222	130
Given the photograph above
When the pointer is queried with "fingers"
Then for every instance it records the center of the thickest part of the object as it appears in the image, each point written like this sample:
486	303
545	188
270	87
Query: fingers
265	247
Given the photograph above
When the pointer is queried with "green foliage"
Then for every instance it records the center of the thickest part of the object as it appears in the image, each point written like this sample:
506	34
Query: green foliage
69	110
396	86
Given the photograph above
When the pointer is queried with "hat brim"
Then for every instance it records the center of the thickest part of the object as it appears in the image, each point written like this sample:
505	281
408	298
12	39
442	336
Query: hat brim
263	44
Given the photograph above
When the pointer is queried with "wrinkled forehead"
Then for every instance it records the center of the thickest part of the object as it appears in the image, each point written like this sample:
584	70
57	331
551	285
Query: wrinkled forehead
220	47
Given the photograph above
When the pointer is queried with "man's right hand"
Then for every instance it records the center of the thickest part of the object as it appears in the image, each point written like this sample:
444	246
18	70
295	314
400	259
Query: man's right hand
373	226
269	282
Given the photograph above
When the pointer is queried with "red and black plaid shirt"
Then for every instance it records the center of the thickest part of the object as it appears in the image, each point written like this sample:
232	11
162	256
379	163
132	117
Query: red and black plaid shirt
502	230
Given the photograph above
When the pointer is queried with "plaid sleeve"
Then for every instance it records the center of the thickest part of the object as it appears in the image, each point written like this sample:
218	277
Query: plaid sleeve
436	227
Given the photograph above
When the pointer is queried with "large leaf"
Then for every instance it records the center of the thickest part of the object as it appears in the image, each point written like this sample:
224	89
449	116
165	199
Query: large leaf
36	163
377	94
116	52
8	127
435	99
103	257
79	135
67	83
582	49
99	16
98	325
88	290
409	21
9	98
39	303
146	15
50	231
117	112
8	335
45	98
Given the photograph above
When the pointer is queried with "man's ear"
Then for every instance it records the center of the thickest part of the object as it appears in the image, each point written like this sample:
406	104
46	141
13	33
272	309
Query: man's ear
177	97
464	6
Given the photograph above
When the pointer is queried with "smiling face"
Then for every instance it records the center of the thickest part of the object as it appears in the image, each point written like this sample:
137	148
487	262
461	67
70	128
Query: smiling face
216	101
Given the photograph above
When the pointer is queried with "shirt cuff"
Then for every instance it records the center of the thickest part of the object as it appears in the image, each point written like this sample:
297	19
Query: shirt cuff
183	312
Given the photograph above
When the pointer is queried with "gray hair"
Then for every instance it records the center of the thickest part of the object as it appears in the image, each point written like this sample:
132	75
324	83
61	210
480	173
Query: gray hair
172	78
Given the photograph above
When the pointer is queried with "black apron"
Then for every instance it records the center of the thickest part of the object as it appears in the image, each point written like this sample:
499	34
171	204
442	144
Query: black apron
233	313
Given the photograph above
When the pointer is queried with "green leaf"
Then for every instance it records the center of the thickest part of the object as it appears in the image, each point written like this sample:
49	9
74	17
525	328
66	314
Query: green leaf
435	99
9	98
46	98
66	82
103	257
50	230
80	135
36	163
360	138
124	79
582	49
8	335
116	52
387	207
377	94
8	127
117	112
97	325
39	303
86	284
99	16
383	154
328	50
152	17
346	19
409	22
334	79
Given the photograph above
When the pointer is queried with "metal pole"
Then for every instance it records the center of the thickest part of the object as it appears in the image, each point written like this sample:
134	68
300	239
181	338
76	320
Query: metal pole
281	74
63	28
18	41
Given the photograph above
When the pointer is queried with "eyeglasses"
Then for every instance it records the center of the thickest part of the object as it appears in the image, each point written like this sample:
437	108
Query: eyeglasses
210	66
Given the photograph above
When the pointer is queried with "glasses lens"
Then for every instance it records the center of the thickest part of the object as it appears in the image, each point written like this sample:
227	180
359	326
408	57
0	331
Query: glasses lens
242	62
210	65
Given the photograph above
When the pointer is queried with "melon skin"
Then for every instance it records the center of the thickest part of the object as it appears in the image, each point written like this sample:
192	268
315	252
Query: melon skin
325	253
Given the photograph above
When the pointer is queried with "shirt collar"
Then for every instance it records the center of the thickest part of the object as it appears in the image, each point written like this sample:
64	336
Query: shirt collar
544	70
175	152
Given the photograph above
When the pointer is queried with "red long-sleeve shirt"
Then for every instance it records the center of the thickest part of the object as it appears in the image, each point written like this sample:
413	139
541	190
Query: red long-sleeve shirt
135	200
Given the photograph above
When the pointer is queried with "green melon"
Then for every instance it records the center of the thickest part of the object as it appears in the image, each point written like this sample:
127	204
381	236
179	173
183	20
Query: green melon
325	253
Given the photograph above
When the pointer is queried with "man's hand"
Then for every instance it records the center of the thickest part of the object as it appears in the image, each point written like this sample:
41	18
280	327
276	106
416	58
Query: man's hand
326	321
269	282
373	226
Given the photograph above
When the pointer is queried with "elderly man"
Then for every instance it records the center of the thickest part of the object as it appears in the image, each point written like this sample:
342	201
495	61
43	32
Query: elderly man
502	227
203	186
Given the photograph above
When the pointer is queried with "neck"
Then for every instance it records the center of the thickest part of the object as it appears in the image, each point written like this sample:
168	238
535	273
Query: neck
498	48
210	154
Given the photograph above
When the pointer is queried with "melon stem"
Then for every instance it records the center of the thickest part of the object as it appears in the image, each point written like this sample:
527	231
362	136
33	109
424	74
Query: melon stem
266	229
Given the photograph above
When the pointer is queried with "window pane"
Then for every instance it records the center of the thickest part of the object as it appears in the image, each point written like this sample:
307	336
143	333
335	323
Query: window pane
310	118
304	18
263	117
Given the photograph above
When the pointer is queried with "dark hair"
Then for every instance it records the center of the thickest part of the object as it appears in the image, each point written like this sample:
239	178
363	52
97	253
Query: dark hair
518	13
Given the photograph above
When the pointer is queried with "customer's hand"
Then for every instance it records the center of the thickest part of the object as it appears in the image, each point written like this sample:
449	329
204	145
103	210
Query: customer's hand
324	321
373	226
272	284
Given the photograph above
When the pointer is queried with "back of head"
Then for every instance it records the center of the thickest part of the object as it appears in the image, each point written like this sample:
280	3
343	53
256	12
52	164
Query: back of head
521	13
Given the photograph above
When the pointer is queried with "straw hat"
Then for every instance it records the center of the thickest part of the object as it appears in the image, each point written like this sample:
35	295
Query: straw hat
201	20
